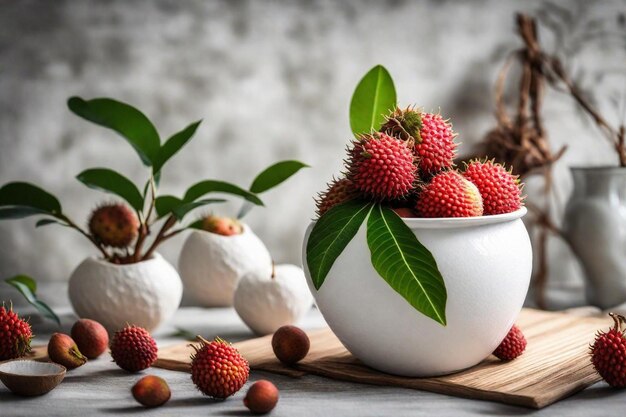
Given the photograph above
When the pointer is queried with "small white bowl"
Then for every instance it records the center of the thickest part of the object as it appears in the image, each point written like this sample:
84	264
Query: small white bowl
31	378
486	264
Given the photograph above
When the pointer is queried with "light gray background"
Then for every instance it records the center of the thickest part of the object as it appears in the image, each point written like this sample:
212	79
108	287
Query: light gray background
272	80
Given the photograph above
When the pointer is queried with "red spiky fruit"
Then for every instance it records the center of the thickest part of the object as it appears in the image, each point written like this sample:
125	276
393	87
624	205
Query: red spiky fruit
448	194
133	349
218	369
290	344
404	212
381	167
224	226
436	148
62	349
114	225
499	188
261	397
404	124
512	346
15	335
91	337
338	192
608	353
151	391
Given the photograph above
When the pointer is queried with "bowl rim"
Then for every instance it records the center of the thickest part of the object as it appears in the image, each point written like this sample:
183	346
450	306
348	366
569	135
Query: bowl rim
61	369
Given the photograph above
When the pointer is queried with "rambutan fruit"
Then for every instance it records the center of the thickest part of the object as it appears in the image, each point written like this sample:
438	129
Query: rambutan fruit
338	192
224	226
499	188
133	349
15	335
448	194
381	167
114	225
62	349
608	353
512	346
436	148
404	124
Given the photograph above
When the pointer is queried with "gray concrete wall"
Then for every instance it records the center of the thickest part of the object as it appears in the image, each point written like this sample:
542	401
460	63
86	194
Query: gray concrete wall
271	79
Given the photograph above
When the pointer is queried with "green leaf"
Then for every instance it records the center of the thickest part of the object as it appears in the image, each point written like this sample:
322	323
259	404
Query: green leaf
275	174
330	236
8	213
407	266
174	144
28	288
211	186
185	334
46	222
195	225
126	120
164	204
373	99
24	194
180	211
110	181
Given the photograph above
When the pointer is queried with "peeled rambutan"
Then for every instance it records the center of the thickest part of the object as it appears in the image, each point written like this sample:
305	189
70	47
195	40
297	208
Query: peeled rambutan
381	167
608	353
15	335
448	194
436	148
499	188
338	192
114	225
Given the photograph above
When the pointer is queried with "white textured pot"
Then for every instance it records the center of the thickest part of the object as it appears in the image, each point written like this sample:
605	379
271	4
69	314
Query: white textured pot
486	264
211	265
144	294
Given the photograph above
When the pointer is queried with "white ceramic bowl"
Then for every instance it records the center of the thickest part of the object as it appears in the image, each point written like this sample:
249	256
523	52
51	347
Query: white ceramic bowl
145	294
486	264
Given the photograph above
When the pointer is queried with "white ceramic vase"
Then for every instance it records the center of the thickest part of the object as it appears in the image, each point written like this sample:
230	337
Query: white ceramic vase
144	294
211	265
486	264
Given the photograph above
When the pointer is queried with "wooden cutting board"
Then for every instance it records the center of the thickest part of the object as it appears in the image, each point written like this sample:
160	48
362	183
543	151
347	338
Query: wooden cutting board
555	365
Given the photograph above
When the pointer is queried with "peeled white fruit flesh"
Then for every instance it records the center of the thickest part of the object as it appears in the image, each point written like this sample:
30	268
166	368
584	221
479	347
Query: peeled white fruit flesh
266	303
211	265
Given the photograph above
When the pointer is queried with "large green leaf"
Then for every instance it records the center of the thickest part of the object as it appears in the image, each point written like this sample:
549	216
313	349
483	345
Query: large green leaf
28	288
123	118
19	212
180	211
110	181
23	194
330	236
168	204
174	144
275	174
407	266
373	99
211	186
164	204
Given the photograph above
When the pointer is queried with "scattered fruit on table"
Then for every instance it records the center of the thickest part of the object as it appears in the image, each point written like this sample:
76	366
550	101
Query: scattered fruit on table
512	346
261	397
499	188
133	349
217	368
114	225
151	391
608	353
224	226
91	337
449	195
266	302
211	264
15	335
290	344
62	349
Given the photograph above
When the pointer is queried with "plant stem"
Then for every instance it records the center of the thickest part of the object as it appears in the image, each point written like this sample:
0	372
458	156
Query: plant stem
144	229
169	223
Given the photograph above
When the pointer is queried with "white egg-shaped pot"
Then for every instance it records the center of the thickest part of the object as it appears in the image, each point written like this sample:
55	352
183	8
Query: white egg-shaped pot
144	294
486	263
211	265
267	302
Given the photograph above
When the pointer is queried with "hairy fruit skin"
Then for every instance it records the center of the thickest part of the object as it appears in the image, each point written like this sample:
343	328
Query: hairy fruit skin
222	226
381	167
91	337
608	353
404	125
512	346
63	350
218	369
290	344
133	349
338	192
151	391
114	225
449	195
437	149
261	397
15	335
499	188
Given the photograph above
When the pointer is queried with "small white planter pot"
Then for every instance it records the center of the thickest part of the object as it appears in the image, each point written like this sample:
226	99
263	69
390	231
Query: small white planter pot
144	294
486	264
211	265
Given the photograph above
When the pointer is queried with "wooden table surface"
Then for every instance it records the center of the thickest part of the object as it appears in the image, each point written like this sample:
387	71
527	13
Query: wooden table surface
100	388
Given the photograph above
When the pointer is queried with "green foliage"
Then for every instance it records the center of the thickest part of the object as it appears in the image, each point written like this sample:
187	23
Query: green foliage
174	144
28	288
29	197
110	181
373	99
